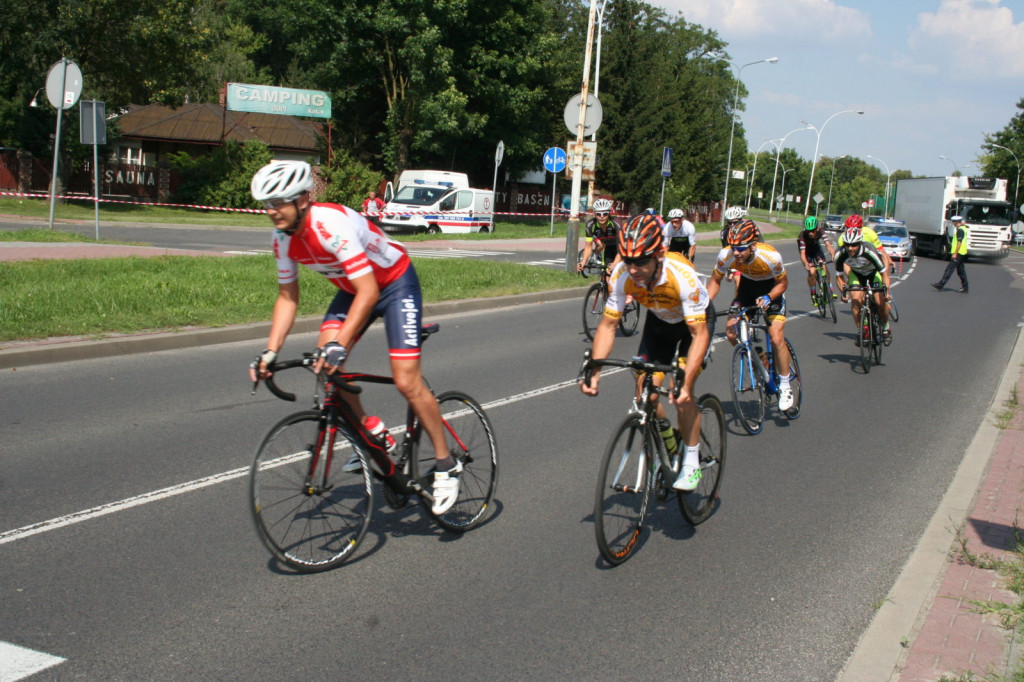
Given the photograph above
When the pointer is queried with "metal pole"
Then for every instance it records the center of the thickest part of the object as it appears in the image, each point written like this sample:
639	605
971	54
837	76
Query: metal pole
96	164
753	173
771	205
732	129
56	139
829	209
572	236
1016	185
814	159
597	82
554	177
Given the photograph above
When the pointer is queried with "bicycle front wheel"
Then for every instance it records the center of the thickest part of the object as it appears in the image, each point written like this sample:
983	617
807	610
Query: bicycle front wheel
471	441
864	333
623	491
309	513
823	293
630	319
747	390
698	504
831	304
593	309
894	314
876	337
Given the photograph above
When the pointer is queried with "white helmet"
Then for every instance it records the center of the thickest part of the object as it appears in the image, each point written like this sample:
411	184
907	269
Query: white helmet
675	213
281	180
734	213
602	206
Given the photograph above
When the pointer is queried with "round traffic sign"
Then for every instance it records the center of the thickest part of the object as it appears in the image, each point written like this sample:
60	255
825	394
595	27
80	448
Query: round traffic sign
64	84
554	160
591	118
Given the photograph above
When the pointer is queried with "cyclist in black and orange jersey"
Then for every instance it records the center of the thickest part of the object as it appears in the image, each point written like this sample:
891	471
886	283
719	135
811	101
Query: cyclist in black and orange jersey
602	232
810	242
763	283
668	286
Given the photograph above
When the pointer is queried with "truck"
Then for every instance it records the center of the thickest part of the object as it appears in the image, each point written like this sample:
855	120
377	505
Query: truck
437	201
927	204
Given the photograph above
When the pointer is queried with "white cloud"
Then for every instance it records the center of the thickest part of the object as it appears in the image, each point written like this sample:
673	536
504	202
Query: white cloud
804	20
972	39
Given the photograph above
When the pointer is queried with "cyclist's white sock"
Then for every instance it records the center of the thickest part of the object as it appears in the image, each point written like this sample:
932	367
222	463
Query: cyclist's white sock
692	457
784	382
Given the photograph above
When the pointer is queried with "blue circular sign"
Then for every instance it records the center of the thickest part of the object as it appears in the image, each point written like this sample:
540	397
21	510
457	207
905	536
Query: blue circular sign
554	159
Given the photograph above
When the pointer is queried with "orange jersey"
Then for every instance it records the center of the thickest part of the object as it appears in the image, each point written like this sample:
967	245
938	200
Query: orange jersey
675	297
765	265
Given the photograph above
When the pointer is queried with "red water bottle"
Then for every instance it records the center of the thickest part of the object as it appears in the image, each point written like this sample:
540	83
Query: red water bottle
376	428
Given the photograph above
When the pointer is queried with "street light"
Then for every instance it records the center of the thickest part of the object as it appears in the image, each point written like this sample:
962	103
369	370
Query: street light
750	192
814	159
828	209
782	192
597	83
1016	185
956	169
732	130
35	99
777	155
885	211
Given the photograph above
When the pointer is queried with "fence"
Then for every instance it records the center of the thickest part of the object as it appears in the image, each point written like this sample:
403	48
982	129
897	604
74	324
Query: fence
21	172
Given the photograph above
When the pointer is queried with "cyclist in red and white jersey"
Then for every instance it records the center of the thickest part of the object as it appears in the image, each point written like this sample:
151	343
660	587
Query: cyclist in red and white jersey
375	278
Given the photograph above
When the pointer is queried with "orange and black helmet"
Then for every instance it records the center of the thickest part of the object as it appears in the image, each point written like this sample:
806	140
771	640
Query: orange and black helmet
640	237
743	233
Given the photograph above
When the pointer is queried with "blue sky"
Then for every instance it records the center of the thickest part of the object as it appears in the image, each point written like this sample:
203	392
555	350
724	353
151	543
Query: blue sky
932	76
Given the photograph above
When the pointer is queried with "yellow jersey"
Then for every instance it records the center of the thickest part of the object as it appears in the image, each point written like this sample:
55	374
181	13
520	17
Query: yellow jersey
676	296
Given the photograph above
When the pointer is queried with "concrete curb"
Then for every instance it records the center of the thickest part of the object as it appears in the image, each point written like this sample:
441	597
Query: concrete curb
76	348
887	641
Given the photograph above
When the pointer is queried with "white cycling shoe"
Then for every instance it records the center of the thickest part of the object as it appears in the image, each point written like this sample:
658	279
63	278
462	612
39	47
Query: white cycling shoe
446	489
785	398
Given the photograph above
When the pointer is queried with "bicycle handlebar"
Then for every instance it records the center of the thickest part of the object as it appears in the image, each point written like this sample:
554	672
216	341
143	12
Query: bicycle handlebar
307	360
637	364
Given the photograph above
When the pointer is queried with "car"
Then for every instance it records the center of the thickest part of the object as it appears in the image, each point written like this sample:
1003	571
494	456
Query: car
895	238
834	223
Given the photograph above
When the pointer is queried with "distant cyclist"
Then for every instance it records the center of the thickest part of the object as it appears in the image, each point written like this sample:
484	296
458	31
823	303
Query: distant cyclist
857	265
602	232
868	235
680	234
811	241
763	283
667	285
734	215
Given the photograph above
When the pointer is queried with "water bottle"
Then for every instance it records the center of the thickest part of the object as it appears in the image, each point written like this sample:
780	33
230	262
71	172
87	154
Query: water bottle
668	435
377	429
760	354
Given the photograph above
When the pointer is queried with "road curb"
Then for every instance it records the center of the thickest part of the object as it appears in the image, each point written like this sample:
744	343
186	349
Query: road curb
885	644
76	348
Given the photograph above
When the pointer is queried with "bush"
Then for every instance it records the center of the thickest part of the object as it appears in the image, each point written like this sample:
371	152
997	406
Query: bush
348	180
222	177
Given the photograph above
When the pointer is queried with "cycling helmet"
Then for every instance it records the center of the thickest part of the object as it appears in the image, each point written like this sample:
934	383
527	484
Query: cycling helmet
640	237
854	221
853	235
675	213
743	233
733	213
281	180
810	223
602	206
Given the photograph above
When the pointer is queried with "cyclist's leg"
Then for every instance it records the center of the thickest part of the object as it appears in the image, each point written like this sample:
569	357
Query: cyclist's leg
334	320
776	316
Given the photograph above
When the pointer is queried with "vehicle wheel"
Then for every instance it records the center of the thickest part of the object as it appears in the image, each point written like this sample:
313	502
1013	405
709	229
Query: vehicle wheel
309	520
795	382
864	330
593	309
472	442
623	491
433	229
484	230
747	390
630	319
698	504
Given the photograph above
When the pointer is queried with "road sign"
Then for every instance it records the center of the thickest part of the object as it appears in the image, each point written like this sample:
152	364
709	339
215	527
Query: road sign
64	84
666	162
499	153
871	203
818	198
588	158
554	160
592	117
93	126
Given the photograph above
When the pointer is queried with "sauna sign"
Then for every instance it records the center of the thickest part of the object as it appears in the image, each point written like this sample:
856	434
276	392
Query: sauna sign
266	99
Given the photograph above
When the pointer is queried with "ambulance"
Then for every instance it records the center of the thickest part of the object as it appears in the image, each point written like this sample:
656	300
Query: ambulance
437	201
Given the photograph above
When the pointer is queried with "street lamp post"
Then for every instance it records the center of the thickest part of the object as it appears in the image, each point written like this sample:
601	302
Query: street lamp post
814	159
597	83
885	211
732	130
782	192
1016	184
775	177
828	209
956	169
753	173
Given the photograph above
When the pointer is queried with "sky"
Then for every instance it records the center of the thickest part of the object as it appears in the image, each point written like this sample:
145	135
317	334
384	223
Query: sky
932	76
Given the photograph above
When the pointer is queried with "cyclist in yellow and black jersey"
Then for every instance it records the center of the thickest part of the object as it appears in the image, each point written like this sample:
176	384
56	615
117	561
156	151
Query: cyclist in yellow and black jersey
676	326
602	232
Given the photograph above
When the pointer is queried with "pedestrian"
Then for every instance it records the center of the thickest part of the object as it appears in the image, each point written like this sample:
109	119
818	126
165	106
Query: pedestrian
372	203
957	255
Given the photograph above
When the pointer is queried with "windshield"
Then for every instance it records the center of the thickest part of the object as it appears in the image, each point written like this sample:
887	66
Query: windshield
891	231
419	196
998	216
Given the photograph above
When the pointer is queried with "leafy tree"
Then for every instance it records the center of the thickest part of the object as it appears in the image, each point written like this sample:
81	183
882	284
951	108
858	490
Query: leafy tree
348	180
222	177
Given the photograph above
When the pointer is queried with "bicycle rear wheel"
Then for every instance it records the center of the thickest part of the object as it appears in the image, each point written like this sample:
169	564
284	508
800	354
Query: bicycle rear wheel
864	332
795	383
747	390
623	491
823	293
309	513
593	309
630	318
697	505
471	441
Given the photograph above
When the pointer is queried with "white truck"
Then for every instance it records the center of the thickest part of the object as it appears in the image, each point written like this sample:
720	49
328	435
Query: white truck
437	201
927	204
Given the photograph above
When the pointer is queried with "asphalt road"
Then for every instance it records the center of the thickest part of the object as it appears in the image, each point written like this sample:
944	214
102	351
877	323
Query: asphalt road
817	517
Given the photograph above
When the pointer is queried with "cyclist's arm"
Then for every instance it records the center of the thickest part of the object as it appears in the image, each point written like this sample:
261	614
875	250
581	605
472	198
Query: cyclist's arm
604	340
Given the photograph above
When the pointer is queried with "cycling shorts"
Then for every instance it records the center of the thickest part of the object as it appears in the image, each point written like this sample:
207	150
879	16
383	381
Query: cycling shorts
751	289
401	306
661	340
859	280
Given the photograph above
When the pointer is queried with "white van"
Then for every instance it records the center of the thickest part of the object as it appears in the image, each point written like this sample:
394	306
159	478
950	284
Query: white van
437	201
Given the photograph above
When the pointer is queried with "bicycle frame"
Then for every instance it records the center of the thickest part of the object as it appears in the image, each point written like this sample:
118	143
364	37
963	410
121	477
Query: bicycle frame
748	338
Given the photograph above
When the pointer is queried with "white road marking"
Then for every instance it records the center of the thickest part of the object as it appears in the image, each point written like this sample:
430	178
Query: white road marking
17	663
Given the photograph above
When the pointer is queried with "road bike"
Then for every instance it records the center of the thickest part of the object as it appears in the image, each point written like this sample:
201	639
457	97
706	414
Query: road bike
593	308
312	514
869	326
636	463
755	378
826	298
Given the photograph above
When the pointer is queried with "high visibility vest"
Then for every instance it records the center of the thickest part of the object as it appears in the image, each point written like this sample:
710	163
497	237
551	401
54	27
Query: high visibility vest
959	248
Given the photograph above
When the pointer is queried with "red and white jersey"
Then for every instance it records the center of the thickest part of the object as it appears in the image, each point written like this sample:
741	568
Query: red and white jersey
341	245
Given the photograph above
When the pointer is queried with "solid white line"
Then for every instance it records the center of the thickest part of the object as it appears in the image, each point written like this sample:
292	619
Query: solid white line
17	663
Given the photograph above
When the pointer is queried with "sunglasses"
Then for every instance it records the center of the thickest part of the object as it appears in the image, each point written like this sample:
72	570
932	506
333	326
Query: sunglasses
603	214
276	203
741	249
638	262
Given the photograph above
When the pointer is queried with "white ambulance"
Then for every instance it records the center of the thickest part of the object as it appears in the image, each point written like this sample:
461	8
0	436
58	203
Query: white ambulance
437	201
